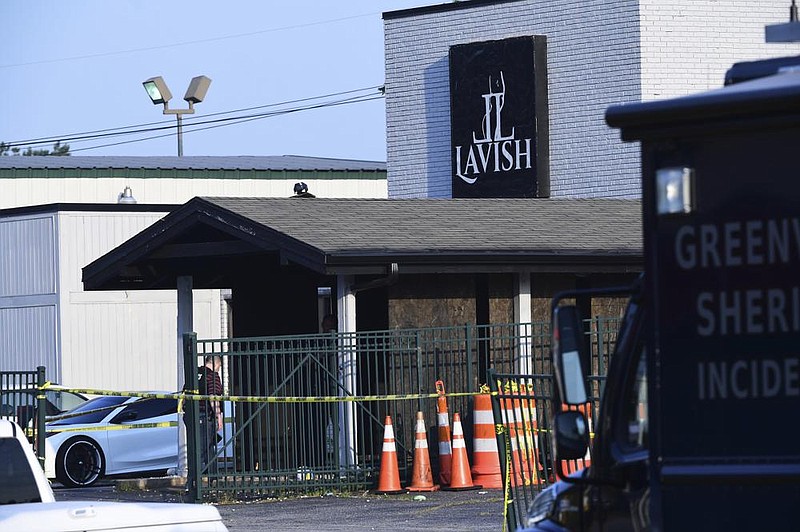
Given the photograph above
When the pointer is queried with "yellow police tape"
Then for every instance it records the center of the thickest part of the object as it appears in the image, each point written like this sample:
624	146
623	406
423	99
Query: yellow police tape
191	396
507	500
114	427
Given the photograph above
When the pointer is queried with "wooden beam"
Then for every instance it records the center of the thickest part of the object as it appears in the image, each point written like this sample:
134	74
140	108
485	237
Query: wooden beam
205	249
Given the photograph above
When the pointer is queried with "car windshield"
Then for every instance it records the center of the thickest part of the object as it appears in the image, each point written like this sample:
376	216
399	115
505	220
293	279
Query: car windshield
57	401
64	400
108	403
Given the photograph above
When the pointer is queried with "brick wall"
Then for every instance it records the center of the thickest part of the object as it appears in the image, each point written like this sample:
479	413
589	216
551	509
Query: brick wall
600	53
687	45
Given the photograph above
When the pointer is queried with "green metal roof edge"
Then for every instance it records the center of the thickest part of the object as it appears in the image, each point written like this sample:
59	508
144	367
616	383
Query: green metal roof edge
183	173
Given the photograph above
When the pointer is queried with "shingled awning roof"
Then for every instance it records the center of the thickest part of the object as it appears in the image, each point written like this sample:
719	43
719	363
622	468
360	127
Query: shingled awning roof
355	236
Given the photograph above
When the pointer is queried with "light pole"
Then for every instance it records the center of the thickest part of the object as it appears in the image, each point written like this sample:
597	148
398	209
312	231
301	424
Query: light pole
159	92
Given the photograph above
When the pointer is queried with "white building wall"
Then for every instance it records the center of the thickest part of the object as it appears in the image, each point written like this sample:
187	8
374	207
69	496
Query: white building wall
28	301
27	263
600	53
28	339
687	45
127	340
114	340
119	340
592	58
20	192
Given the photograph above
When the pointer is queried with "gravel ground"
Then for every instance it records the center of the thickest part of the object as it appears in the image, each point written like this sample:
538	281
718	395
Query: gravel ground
480	510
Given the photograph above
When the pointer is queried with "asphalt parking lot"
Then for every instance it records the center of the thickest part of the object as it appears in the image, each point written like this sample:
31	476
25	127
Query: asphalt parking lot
479	510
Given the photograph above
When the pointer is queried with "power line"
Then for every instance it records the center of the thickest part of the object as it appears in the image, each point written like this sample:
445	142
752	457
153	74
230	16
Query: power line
238	120
58	138
144	128
299	100
187	43
230	121
193	126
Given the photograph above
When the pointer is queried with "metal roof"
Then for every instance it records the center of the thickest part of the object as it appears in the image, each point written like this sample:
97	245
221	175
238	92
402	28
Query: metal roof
87	207
239	162
349	236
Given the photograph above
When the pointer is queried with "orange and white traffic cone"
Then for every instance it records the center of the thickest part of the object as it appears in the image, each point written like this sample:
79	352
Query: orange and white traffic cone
512	415
443	424
460	478
571	466
422	477
485	456
530	417
389	478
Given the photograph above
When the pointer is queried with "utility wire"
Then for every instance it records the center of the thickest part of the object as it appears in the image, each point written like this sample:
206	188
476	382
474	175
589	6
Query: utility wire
299	100
238	119
229	122
187	43
189	121
234	119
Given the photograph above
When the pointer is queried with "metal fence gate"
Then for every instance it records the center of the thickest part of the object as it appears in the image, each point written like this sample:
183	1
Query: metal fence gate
329	442
522	405
22	402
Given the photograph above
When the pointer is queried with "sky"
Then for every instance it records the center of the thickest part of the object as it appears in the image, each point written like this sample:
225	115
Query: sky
77	67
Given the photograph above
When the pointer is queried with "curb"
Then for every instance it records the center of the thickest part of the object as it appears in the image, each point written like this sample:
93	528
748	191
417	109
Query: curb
134	484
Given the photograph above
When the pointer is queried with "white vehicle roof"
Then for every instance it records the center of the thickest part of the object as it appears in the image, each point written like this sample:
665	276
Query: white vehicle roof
93	516
96	516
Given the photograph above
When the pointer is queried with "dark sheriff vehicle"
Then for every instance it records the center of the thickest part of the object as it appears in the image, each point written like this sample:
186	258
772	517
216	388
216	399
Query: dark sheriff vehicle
698	428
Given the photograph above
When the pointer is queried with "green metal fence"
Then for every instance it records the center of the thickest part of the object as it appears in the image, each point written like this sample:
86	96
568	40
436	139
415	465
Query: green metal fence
271	448
523	405
23	403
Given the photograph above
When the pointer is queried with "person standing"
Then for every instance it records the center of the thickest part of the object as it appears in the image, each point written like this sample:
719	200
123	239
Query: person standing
329	323
210	383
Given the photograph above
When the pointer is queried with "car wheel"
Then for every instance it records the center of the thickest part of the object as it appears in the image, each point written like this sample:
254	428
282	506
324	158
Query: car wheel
79	462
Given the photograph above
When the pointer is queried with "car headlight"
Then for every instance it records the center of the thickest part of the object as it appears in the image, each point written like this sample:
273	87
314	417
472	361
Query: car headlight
560	503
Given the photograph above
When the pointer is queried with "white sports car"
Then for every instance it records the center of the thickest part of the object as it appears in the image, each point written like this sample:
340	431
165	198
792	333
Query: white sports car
113	435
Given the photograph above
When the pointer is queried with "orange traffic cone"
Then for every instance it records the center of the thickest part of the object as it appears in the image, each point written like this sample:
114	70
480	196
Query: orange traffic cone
536	468
513	420
389	478
518	409
422	477
460	478
485	456
443	423
571	466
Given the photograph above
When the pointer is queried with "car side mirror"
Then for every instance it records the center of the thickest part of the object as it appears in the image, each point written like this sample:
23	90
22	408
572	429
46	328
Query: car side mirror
569	358
572	435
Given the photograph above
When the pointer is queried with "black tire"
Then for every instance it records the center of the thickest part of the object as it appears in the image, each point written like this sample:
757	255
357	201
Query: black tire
79	462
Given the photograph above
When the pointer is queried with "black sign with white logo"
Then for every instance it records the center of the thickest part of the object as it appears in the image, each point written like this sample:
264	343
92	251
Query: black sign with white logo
498	117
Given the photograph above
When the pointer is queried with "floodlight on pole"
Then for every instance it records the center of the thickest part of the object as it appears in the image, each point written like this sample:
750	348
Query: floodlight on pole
159	93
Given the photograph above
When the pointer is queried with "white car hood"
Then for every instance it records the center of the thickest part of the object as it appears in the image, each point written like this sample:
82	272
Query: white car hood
78	516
